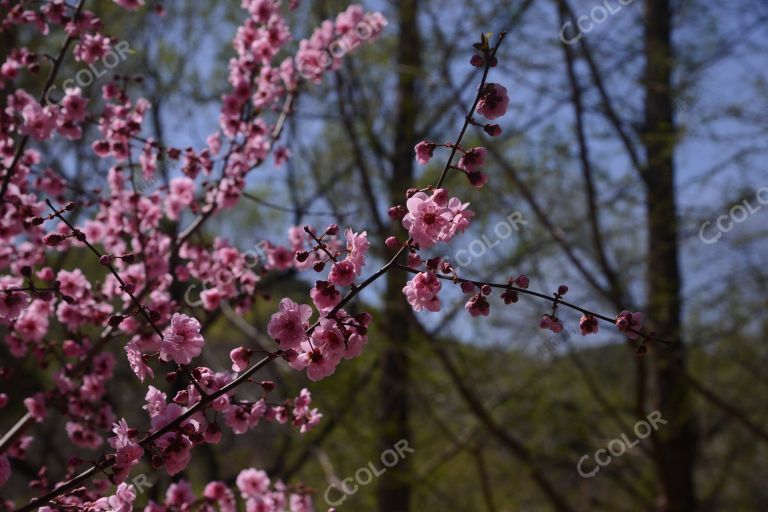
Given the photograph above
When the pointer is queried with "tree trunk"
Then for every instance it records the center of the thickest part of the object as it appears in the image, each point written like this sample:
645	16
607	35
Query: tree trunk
675	442
394	486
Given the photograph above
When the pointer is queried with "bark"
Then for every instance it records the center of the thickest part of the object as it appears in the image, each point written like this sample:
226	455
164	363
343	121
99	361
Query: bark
676	441
394	486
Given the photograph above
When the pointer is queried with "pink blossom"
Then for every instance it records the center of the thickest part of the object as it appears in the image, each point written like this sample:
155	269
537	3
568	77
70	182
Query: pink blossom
342	273
74	283
181	340
422	290
36	407
493	101
424	151
301	503
477	178
179	495
122	500
355	345
73	105
11	303
478	305
222	495
82	436
588	325
240	357
357	244
627	322
425	219
552	323
472	159
39	121
92	47
279	258
252	483
460	215
325	296
328	336
136	361
237	418
177	458
281	155
181	194
33	323
258	410
211	298
287	326
319	362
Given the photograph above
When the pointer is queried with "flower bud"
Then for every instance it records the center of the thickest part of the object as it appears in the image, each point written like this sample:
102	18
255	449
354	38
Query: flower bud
52	239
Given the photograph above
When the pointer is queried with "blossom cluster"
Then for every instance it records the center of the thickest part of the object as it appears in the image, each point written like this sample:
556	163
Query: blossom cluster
336	335
65	318
433	218
253	486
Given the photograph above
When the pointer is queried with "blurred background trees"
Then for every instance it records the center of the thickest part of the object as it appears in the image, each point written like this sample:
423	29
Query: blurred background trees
621	143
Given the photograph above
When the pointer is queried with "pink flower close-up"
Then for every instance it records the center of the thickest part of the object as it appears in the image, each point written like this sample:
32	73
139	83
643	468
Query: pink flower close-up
182	340
287	326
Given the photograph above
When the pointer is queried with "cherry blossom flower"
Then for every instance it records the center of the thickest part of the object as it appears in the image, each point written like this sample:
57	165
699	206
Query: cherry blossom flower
222	495
320	362
422	290
424	151
588	325
121	501
493	101
252	482
36	407
181	194
552	323
425	219
325	296
238	419
240	357
289	324
478	305
342	273
357	244
181	340
628	321
11	303
472	159
179	495
137	363
92	47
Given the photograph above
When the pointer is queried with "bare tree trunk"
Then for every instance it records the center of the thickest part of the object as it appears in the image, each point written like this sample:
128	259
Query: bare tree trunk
394	490
675	442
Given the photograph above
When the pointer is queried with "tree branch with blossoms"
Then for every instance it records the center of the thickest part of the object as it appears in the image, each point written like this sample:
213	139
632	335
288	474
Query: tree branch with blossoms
141	253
